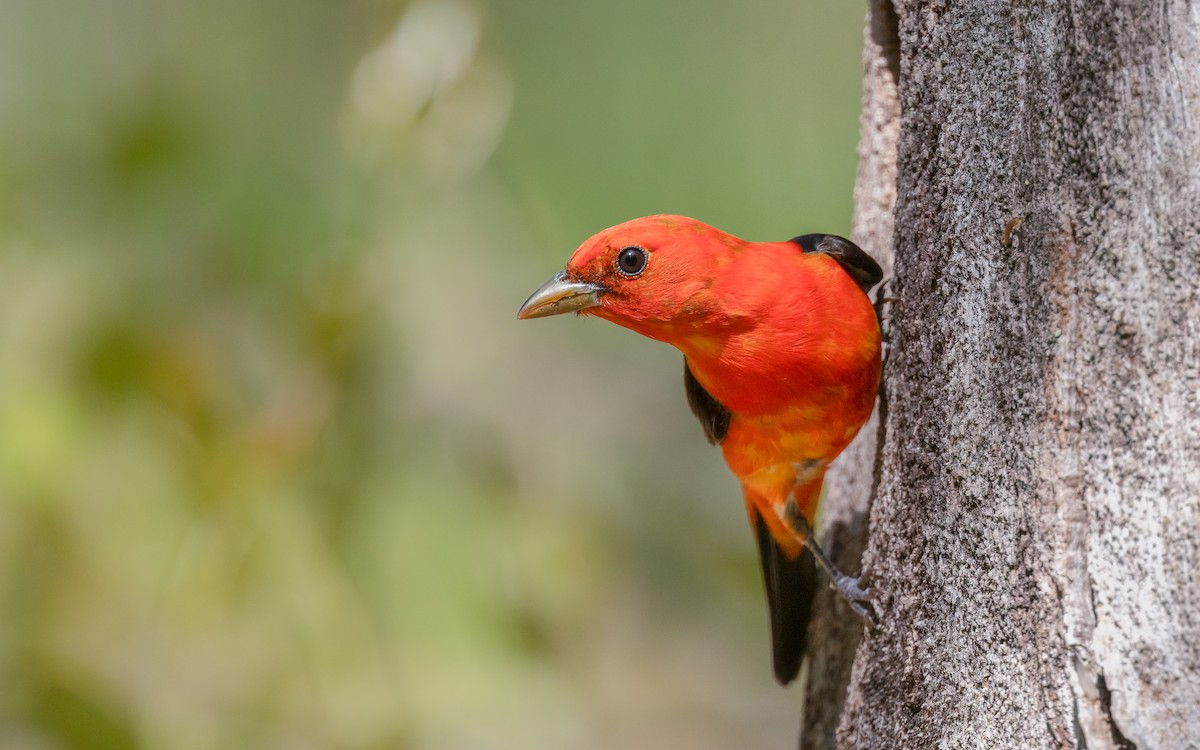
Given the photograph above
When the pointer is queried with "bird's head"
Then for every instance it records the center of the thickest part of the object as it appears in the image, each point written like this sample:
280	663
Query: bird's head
652	275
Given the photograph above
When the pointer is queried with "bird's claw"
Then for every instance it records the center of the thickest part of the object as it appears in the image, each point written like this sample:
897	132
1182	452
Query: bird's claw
861	600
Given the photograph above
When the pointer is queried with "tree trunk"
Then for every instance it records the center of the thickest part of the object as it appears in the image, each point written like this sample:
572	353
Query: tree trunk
1037	521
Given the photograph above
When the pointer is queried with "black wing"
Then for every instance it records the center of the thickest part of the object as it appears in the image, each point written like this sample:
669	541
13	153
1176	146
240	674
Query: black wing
861	267
714	417
791	585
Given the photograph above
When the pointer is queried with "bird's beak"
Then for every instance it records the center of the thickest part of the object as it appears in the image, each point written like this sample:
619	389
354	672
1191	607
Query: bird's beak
558	295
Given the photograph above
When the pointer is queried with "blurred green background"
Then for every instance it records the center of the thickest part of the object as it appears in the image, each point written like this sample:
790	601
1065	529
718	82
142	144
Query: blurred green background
279	468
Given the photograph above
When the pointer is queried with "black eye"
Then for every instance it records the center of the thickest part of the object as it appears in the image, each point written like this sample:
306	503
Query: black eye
631	260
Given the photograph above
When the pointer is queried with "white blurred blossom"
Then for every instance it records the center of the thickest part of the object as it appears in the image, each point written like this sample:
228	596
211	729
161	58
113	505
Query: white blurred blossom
428	97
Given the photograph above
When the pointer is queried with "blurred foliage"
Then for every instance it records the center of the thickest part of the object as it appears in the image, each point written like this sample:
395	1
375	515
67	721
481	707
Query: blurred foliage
278	466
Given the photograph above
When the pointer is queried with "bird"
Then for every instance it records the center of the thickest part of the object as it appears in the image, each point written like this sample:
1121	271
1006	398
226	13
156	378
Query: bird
782	360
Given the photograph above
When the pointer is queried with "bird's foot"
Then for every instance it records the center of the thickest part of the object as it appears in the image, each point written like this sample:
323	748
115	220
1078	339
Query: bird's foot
860	599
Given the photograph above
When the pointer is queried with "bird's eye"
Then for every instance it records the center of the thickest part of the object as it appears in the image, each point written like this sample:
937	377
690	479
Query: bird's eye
631	260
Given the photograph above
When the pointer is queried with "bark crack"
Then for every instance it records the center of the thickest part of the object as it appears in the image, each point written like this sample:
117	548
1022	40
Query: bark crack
1120	741
883	308
885	31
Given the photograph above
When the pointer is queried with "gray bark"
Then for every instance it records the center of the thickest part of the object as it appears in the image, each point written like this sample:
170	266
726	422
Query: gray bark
1037	521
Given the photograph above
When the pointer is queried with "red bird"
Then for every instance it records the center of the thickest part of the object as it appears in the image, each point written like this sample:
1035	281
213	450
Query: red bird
781	351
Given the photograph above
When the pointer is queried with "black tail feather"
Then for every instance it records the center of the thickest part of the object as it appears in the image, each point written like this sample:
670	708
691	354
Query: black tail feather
790	586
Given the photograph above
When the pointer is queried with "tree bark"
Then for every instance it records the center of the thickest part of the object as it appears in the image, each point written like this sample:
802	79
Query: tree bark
1037	521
